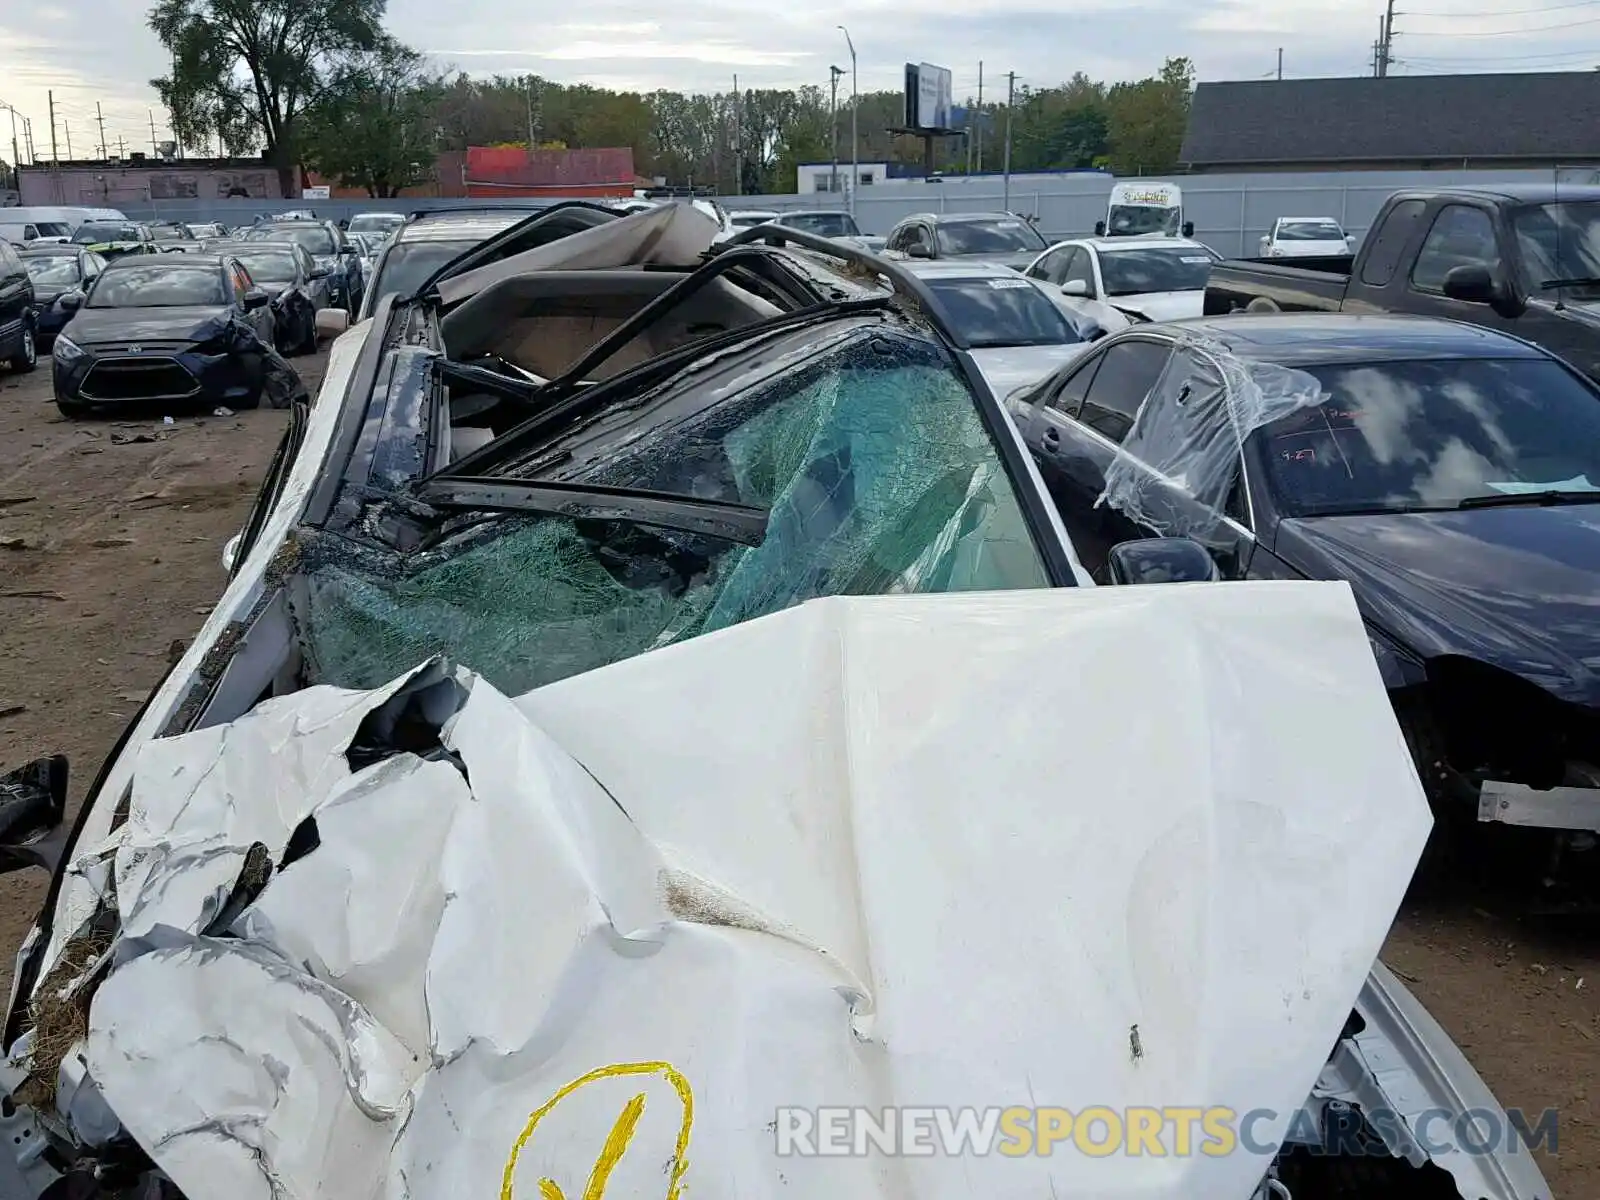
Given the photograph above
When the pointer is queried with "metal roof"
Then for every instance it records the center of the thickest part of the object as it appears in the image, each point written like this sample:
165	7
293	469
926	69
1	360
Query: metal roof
1436	118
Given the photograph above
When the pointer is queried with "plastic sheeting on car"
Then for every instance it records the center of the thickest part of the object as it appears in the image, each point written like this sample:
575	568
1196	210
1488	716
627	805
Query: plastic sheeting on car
875	465
1181	458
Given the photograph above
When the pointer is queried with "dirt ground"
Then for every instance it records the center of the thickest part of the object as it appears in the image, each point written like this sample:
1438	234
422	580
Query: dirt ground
111	533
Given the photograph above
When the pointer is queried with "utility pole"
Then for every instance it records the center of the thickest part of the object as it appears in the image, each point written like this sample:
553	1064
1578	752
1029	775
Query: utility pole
51	97
155	147
1386	54
16	160
1011	93
855	111
979	154
66	131
1280	64
738	140
100	119
27	136
833	121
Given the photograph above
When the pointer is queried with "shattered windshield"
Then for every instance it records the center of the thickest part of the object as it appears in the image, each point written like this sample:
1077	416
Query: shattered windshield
870	457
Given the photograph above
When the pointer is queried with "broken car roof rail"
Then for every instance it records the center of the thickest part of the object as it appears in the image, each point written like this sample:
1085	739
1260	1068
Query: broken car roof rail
903	282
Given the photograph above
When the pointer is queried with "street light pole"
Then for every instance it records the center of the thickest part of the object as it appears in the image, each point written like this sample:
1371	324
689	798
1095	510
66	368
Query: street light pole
833	120
855	139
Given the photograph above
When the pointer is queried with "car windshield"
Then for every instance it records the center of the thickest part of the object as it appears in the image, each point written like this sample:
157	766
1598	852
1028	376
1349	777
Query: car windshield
1126	219
55	271
1561	241
153	284
1136	272
746	220
867	453
169	233
824	224
268	266
1310	231
205	231
407	265
95	233
315	239
1001	235
992	312
375	223
1398	436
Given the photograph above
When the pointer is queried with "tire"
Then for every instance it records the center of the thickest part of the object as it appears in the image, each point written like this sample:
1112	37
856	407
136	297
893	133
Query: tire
27	356
1262	305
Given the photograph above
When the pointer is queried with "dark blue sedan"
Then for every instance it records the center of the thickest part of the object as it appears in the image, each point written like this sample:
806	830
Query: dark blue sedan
55	271
1449	473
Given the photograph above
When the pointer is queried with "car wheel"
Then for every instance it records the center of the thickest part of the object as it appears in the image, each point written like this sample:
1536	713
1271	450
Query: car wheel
27	355
1261	305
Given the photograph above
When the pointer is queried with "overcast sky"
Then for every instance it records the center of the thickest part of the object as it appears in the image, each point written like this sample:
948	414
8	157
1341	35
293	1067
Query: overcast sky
101	50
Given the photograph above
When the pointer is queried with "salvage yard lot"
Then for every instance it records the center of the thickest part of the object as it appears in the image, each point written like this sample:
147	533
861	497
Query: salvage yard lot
111	532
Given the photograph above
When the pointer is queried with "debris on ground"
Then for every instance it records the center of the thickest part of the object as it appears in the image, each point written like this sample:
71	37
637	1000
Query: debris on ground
222	411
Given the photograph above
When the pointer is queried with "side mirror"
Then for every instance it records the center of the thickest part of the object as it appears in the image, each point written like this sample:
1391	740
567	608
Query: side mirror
1470	282
918	250
1099	229
230	552
1188	229
71	301
33	803
1075	287
1161	560
319	273
331	322
256	298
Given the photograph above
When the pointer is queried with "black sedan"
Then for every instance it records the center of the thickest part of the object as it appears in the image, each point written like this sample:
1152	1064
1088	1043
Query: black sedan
189	328
1449	473
298	287
57	270
329	248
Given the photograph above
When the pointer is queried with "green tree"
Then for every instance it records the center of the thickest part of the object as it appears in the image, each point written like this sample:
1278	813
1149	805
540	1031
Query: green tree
246	71
1147	120
374	125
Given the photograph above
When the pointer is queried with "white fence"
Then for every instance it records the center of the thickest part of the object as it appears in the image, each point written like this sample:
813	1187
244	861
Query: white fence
1230	212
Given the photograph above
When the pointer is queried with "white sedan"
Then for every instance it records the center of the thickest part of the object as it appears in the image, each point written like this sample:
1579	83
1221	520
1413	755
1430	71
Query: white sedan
1019	330
1143	279
1303	237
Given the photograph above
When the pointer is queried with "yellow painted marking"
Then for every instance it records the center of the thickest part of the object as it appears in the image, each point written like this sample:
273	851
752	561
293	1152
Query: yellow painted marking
621	1132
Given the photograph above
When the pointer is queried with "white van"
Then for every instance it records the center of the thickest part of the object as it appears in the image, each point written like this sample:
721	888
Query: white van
32	225
1145	210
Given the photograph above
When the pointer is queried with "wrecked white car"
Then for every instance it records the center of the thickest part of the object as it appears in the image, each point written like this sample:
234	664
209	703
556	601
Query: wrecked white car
656	710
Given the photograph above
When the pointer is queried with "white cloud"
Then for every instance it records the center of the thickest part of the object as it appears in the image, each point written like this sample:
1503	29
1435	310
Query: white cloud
102	50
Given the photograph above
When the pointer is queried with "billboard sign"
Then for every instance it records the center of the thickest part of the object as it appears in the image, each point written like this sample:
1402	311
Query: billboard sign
928	96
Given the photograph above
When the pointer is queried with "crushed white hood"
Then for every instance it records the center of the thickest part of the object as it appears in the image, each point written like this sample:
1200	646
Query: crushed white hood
931	850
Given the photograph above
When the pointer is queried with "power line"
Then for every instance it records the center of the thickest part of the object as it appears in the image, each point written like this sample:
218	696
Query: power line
1506	12
1491	58
1428	33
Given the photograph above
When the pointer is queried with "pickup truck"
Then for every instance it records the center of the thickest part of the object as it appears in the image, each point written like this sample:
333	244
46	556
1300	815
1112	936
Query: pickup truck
1521	258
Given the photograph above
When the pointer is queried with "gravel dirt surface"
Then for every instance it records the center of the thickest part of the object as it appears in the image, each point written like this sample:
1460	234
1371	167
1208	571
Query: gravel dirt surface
110	552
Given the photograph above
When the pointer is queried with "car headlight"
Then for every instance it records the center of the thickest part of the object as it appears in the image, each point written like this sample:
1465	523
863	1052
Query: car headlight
65	350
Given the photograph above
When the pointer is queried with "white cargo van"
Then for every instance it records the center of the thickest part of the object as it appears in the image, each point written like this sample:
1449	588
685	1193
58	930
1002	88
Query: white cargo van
1145	210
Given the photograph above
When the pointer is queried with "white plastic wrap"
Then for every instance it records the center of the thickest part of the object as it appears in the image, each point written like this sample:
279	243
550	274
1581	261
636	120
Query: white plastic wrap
1188	436
862	852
